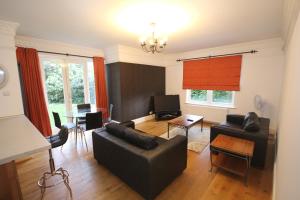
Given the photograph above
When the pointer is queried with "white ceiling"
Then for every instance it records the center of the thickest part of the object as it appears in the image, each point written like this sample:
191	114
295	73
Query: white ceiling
94	23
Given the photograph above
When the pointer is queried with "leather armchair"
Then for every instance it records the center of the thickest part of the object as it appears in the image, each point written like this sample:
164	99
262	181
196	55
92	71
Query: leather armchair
234	127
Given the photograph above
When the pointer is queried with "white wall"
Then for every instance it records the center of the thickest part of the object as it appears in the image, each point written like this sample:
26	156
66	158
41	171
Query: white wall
261	74
121	53
288	159
10	95
54	46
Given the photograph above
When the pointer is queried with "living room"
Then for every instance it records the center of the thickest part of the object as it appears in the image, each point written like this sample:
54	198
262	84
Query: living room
149	99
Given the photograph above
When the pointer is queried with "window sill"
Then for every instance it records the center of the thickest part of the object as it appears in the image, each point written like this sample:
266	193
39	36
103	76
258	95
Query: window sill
211	105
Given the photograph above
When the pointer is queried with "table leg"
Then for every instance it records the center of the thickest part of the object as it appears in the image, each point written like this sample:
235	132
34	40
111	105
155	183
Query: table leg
211	165
76	130
186	132
168	129
202	125
247	170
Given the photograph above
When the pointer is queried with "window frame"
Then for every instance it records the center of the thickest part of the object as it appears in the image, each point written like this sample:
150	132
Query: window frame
65	62
209	101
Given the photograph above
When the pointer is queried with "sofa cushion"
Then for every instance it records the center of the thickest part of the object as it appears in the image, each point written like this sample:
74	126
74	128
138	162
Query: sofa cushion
140	139
251	122
116	129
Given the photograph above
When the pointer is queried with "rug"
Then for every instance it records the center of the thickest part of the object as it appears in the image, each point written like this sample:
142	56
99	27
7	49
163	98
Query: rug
197	140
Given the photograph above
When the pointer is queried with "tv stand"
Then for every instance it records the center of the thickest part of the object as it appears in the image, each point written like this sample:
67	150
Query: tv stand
166	115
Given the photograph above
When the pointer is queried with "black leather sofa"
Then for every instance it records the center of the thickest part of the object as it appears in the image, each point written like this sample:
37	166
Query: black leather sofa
148	172
234	127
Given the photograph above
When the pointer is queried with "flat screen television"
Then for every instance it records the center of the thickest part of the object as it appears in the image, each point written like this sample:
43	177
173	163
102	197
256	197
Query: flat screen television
166	103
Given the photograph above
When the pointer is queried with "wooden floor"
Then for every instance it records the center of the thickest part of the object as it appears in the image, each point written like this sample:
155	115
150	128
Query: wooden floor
90	181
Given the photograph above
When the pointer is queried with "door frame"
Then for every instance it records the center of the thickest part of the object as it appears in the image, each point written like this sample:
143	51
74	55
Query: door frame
65	62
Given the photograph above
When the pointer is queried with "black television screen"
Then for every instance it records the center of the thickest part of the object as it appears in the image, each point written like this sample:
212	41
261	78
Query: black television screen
166	103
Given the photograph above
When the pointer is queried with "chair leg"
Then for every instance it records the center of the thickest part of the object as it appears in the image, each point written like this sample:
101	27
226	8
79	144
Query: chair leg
65	175
81	135
59	172
43	187
85	141
51	161
66	182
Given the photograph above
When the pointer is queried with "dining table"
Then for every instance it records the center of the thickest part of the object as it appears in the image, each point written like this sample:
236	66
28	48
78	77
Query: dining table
77	114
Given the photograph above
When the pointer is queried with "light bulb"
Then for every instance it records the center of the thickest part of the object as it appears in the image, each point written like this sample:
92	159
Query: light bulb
142	39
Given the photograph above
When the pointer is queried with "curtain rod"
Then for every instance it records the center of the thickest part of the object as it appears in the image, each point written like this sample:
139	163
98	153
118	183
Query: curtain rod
64	54
220	55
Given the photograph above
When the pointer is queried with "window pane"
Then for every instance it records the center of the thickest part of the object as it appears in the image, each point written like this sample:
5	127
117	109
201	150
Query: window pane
77	85
199	95
91	80
55	90
222	97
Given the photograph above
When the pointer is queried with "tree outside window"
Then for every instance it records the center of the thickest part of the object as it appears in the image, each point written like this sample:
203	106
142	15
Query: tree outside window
211	97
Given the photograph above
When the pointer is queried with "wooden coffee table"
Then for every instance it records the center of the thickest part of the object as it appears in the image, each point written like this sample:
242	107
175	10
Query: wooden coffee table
233	153
186	122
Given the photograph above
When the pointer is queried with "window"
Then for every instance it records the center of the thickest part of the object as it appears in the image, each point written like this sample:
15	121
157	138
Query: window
211	97
68	82
54	86
91	82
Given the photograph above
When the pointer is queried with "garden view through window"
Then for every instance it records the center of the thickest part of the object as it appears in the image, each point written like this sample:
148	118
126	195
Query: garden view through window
67	83
210	97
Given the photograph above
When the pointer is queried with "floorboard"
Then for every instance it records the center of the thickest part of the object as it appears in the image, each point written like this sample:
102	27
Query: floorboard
89	180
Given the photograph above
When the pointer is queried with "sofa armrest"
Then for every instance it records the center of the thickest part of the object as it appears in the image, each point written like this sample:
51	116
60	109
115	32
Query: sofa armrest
235	119
129	124
168	148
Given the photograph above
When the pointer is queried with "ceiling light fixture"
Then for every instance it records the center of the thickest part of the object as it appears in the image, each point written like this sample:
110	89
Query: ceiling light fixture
153	43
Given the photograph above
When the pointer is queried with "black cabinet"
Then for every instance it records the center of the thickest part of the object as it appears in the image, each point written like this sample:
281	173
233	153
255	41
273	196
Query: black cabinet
131	88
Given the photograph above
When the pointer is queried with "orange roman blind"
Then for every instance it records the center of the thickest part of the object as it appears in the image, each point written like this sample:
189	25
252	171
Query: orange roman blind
222	73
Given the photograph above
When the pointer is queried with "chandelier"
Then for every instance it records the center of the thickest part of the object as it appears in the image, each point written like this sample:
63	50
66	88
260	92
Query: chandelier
153	43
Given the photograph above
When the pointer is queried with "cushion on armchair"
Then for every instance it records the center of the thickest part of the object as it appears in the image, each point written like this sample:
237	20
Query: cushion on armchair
251	122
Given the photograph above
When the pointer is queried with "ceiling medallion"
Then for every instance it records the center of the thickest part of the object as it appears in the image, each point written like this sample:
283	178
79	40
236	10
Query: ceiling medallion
153	43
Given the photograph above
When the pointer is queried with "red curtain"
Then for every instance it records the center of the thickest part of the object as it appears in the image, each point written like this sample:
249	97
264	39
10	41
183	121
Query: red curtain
100	85
35	103
222	73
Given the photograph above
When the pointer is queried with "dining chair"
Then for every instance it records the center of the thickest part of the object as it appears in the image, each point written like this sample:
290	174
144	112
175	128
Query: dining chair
57	122
93	121
83	108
